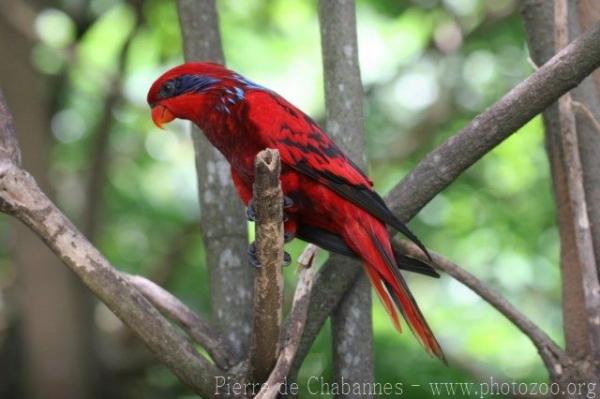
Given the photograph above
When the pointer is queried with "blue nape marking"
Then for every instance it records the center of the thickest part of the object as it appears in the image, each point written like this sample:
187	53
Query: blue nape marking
239	93
195	83
248	84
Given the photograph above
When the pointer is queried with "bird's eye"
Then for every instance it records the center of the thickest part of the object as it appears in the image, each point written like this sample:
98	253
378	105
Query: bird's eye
168	89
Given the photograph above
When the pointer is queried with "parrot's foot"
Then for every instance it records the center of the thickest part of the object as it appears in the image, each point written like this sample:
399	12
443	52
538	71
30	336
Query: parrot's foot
253	260
287	202
287	237
251	214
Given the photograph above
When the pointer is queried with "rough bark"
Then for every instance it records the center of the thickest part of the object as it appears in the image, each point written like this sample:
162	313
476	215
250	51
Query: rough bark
588	12
268	277
21	197
447	162
222	214
530	97
583	13
539	23
576	191
197	328
295	326
351	320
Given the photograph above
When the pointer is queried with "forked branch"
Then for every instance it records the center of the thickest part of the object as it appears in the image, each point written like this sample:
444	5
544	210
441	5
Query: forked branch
295	324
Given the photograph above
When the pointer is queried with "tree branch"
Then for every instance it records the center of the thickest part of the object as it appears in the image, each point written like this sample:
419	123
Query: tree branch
268	278
447	162
584	110
443	165
197	328
576	193
552	355
21	197
222	213
295	324
200	30
539	24
352	326
99	152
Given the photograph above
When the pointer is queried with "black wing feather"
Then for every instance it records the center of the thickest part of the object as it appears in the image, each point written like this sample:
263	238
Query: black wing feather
334	243
364	197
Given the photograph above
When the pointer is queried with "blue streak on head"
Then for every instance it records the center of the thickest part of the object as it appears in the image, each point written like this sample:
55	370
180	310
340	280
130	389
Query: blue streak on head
196	83
186	84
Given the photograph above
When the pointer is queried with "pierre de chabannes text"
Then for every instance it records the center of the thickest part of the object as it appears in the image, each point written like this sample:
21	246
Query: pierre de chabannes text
320	386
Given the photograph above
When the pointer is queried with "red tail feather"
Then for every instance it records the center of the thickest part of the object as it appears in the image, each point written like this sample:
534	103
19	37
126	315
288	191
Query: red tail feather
370	239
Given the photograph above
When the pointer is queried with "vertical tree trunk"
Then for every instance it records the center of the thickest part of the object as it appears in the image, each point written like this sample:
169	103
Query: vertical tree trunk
584	13
351	320
222	215
58	349
539	24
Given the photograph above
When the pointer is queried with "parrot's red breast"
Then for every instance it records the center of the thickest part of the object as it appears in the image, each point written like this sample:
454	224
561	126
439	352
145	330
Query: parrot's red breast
334	205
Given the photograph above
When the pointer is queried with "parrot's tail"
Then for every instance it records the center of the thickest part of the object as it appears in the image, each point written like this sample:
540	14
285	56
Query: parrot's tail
368	237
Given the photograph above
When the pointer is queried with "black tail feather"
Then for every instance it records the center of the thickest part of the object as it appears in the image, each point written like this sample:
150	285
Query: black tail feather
334	243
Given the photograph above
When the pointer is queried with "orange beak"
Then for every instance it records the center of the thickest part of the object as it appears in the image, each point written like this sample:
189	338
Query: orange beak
161	115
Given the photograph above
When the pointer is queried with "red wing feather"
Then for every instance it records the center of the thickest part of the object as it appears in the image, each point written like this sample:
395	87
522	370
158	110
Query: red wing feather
305	147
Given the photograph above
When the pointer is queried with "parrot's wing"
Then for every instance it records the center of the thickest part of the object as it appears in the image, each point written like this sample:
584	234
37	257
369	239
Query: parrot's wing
304	146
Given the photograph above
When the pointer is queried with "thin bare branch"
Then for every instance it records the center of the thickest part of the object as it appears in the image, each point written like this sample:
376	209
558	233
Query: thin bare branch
308	256
166	267
585	110
100	150
196	327
550	352
267	201
295	324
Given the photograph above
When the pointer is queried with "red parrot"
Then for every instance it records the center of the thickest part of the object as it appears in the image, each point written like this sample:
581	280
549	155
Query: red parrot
331	202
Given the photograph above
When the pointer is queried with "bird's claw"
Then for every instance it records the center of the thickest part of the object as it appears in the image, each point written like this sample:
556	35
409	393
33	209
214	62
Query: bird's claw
254	262
250	214
287	202
287	237
252	259
287	259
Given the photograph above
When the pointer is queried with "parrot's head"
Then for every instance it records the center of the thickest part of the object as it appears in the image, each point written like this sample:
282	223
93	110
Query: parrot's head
187	91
